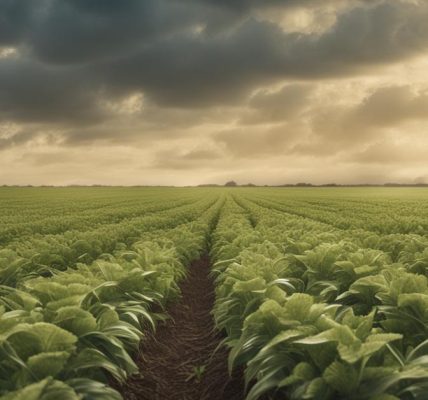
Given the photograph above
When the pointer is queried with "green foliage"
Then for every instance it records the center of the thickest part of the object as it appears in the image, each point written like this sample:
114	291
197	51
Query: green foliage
83	300
47	389
313	311
322	293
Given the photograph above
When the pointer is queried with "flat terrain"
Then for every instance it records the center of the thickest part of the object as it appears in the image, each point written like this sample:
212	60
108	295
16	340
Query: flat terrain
213	293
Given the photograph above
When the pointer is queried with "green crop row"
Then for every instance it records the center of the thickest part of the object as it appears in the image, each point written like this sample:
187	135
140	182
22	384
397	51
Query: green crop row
379	213
49	212
65	335
312	314
322	293
47	254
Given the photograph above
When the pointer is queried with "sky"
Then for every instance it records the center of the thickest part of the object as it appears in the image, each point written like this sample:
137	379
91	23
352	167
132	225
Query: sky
187	92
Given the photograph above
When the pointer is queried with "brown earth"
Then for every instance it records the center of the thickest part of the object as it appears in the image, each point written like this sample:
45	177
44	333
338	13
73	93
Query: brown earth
180	361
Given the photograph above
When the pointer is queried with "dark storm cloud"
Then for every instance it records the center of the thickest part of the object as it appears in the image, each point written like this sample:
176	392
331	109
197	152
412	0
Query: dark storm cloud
73	31
200	70
183	54
80	30
247	5
15	17
188	70
30	91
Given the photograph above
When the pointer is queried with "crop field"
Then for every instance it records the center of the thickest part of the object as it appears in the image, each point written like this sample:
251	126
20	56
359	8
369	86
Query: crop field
213	293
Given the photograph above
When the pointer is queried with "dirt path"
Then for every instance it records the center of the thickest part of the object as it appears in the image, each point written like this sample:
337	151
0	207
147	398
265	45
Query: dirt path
183	347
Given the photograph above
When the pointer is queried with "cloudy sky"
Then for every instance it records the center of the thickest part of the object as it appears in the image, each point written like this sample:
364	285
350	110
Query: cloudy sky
199	91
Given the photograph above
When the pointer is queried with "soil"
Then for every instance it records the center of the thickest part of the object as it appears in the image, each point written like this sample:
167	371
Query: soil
182	360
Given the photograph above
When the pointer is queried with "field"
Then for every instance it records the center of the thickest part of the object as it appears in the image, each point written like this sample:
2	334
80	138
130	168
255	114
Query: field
213	293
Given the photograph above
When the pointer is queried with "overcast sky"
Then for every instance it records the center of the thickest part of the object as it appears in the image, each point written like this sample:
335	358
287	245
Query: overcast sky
199	91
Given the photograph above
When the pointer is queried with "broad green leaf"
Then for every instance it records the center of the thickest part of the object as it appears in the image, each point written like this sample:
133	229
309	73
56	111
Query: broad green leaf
47	389
41	337
302	372
47	364
341	377
75	320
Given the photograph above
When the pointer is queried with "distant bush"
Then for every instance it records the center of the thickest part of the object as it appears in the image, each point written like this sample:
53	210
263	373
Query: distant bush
230	184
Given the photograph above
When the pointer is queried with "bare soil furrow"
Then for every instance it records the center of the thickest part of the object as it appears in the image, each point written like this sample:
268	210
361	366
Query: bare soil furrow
182	360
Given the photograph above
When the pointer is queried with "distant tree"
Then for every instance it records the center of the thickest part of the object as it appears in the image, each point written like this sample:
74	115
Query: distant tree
231	184
249	185
303	184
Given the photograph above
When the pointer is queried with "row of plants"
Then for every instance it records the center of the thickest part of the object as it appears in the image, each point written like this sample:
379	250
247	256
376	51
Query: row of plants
406	248
381	214
46	254
18	230
66	335
311	313
36	204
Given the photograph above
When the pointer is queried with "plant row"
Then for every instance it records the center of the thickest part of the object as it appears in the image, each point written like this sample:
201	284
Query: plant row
66	336
83	220
381	214
48	254
313	314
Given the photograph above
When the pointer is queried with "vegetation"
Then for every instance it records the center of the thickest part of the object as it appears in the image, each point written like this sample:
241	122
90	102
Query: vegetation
322	292
323	295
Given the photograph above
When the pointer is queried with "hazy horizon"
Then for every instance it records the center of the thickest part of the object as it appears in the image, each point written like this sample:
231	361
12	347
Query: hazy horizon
189	92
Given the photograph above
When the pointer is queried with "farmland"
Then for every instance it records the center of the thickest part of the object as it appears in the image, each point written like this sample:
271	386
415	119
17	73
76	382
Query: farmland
213	293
